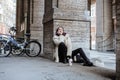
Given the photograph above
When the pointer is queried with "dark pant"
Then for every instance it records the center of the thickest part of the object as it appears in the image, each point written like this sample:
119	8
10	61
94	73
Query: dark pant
62	53
81	56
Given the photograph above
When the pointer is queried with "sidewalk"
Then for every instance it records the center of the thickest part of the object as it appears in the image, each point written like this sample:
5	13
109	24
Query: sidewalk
38	68
103	59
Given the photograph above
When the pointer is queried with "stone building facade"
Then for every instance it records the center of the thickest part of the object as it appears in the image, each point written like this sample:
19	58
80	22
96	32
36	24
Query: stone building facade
42	17
29	19
71	16
34	14
104	27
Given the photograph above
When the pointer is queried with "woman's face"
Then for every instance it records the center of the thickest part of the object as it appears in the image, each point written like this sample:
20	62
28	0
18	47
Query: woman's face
60	31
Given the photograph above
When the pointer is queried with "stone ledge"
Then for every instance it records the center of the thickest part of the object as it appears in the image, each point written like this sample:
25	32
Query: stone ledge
70	15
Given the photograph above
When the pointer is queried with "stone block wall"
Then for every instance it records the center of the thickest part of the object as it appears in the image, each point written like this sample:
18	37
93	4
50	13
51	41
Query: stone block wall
76	5
79	32
32	20
104	27
48	40
46	15
71	15
36	17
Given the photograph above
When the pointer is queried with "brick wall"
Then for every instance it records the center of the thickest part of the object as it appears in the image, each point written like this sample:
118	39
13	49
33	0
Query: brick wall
70	15
48	40
36	17
79	32
104	28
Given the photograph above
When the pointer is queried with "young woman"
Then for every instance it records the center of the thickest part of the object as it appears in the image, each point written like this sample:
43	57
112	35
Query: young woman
63	48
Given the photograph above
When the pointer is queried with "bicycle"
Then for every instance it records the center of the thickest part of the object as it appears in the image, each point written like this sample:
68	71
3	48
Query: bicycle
5	48
10	45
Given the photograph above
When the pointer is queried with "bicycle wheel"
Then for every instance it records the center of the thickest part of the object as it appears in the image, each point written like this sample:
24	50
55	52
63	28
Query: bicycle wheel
5	49
33	48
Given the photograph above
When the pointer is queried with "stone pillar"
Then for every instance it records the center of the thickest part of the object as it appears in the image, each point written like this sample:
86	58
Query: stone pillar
99	24
104	29
48	29
29	18
117	35
36	17
108	26
19	17
21	21
71	15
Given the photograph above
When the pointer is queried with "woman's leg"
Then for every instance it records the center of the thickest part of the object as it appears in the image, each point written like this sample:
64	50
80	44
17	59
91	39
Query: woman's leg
62	52
79	52
82	54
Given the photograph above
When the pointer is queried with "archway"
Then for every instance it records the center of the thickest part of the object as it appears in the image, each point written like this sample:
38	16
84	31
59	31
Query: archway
7	15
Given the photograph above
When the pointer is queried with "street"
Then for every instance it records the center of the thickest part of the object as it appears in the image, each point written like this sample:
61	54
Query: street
38	68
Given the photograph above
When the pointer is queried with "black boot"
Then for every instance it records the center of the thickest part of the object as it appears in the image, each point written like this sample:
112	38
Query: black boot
88	64
64	61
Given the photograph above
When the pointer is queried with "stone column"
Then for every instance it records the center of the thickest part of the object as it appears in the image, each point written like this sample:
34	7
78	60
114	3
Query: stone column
71	15
117	35
99	24
29	18
104	32
48	29
108	27
20	17
21	21
36	17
